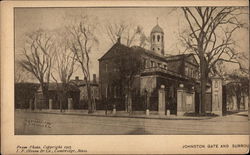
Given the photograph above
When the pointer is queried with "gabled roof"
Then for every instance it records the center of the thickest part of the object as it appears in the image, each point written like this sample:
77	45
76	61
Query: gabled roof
55	86
83	83
177	57
180	56
140	50
148	52
116	46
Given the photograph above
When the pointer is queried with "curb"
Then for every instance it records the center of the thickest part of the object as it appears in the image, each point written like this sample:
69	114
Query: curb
130	116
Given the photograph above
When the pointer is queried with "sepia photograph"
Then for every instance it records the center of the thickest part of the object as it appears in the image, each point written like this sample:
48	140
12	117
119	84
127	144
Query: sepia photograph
124	77
131	70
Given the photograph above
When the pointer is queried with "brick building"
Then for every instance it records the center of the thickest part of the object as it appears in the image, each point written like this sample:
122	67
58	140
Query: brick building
158	68
81	85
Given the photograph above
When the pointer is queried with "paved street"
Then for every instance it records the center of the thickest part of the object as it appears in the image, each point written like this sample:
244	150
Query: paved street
42	123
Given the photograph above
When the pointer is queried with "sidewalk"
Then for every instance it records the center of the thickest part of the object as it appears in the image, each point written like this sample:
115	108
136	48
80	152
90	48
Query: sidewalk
122	114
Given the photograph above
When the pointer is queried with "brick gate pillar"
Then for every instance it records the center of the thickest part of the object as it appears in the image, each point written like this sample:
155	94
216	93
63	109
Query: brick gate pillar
50	104
70	103
161	100
180	100
246	102
217	95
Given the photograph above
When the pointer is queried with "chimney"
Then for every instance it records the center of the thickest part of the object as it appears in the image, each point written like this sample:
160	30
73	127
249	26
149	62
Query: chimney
94	78
77	78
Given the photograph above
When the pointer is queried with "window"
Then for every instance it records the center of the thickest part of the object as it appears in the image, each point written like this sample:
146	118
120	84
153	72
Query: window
115	91
158	38
159	64
165	66
153	37
152	63
153	49
106	92
159	49
106	67
144	63
186	71
216	84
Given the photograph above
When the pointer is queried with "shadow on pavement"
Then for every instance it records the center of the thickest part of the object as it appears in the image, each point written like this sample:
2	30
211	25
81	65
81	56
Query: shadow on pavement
139	131
244	115
239	112
231	112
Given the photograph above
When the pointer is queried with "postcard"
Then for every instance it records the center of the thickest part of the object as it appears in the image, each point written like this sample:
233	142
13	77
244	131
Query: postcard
125	77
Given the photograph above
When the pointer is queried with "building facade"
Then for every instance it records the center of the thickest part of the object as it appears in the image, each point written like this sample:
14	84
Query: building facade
150	70
82	86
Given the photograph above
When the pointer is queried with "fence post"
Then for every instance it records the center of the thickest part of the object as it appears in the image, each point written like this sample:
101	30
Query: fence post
70	103
217	95
161	100
180	100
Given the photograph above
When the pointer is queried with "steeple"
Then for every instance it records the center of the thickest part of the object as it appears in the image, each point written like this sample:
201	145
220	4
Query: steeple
157	39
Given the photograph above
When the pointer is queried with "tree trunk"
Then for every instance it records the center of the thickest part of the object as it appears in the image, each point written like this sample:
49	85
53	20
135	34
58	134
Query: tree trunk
44	97
90	110
126	102
129	101
238	99
203	80
60	102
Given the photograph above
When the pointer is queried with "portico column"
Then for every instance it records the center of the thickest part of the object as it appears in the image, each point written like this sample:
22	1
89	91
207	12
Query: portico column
161	100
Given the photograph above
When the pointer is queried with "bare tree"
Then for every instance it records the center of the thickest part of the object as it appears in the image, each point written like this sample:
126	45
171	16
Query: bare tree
65	66
210	36
38	55
129	34
238	86
20	73
126	75
82	41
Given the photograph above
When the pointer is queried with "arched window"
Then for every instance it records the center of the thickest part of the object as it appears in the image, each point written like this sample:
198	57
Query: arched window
115	92
153	37
216	84
158	38
106	67
152	63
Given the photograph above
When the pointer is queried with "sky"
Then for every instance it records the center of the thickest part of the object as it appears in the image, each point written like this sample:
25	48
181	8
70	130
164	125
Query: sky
170	19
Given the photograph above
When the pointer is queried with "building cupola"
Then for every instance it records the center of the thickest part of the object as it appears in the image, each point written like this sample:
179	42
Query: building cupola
157	39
